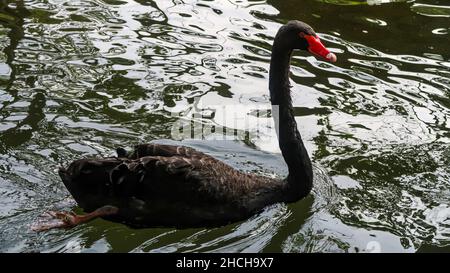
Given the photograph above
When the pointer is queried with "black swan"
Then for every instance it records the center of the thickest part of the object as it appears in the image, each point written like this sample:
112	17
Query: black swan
177	186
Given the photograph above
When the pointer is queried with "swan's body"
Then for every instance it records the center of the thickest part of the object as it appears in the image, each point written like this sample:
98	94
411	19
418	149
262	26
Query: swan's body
164	185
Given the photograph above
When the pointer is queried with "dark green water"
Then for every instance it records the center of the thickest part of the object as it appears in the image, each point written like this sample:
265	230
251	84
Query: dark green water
79	78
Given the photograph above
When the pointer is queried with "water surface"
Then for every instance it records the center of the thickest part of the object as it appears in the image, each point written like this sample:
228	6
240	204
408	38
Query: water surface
79	78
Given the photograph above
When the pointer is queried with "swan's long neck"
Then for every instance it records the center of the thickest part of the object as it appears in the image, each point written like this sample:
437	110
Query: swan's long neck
300	172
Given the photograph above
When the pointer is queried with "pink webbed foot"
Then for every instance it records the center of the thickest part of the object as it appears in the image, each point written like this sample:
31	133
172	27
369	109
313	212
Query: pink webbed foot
55	219
67	219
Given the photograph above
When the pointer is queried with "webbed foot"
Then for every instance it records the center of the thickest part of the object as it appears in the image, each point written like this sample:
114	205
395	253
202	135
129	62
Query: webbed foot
68	219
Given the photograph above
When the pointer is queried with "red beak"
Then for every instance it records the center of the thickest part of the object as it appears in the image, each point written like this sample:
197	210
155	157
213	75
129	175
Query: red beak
317	48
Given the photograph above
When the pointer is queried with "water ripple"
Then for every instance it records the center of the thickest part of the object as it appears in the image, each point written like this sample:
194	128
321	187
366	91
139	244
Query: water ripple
79	78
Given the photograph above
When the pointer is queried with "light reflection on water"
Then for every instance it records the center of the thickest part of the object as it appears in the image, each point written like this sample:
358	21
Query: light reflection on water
79	78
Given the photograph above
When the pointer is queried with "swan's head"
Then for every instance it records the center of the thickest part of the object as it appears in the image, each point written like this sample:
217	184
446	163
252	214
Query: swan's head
299	35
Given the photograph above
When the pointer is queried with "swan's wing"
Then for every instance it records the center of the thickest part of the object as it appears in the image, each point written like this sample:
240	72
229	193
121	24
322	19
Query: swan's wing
204	186
182	191
179	178
152	177
171	190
